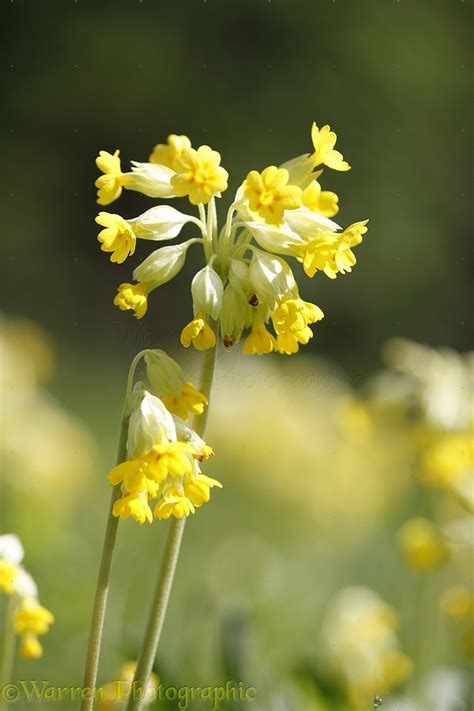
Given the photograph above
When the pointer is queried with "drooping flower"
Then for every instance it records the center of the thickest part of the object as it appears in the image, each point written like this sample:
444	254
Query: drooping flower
30	618
164	456
168	153
109	185
133	297
324	141
199	333
31	621
116	237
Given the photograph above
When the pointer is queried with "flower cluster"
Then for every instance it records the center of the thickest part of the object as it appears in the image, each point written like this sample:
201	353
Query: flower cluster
360	647
30	618
246	283
163	452
434	385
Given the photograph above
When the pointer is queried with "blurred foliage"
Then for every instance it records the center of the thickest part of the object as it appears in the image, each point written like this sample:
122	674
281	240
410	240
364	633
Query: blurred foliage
249	77
290	580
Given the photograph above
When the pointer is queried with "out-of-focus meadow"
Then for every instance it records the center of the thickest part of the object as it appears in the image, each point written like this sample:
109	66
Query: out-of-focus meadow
335	564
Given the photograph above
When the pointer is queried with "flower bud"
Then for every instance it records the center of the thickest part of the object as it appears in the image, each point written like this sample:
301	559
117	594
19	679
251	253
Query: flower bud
164	373
11	548
239	277
150	179
160	223
25	586
276	239
309	224
207	290
162	265
271	278
236	315
150	424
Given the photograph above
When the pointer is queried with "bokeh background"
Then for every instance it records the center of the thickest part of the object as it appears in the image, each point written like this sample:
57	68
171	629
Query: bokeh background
262	564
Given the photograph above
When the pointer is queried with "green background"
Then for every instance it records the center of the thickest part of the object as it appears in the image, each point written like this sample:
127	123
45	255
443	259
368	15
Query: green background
248	77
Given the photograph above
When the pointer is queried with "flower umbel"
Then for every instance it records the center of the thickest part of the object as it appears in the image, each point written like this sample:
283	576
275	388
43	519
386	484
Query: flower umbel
277	213
164	453
30	618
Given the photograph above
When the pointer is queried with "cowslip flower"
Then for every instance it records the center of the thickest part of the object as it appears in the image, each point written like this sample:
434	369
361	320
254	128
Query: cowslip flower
277	214
422	545
30	618
359	645
163	452
115	693
31	621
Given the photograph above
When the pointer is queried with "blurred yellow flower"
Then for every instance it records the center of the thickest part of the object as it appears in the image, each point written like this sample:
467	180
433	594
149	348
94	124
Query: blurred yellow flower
114	694
8	573
449	464
422	545
359	646
457	602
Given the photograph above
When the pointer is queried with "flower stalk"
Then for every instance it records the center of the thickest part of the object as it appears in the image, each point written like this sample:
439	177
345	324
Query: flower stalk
103	582
169	562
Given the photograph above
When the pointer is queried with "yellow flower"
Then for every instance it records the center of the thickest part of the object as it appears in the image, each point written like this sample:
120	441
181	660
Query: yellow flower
190	401
199	333
173	503
290	321
199	175
197	488
115	694
422	545
449	460
110	184
204	453
457	602
134	297
32	618
260	340
8	573
117	237
167	153
31	647
170	459
332	253
180	499
131	474
323	202
133	506
269	194
324	141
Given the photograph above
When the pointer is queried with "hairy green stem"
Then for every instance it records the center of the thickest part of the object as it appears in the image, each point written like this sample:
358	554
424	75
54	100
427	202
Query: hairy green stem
168	566
8	649
103	581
